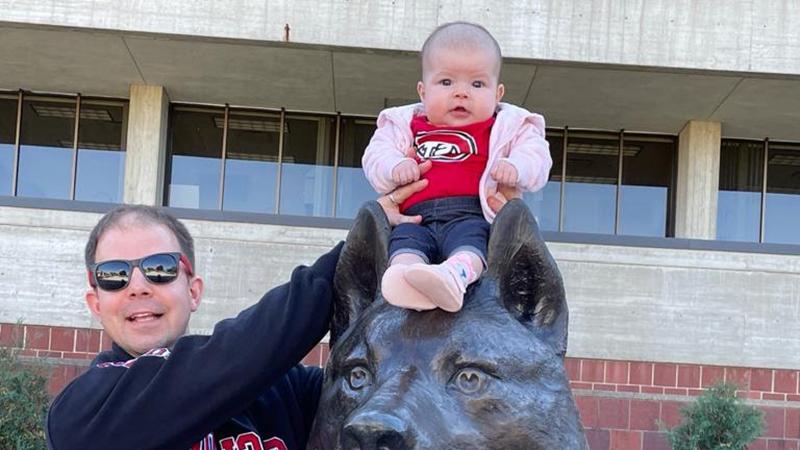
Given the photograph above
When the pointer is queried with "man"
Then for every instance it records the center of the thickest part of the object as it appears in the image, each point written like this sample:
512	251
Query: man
239	388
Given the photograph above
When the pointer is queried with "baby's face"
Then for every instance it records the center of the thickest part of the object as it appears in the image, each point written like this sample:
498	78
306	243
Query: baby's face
459	86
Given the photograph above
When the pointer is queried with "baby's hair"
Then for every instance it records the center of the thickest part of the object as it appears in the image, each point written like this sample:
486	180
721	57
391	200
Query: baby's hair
461	35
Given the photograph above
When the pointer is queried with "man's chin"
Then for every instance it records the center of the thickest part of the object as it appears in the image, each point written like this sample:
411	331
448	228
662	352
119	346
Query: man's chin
137	347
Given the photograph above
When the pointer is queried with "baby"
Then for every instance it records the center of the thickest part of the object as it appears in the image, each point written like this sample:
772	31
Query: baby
466	143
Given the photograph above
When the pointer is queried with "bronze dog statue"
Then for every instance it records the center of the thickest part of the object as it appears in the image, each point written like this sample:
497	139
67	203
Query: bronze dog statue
488	377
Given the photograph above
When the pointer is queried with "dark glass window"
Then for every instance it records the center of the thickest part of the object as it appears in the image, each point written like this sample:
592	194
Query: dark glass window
307	166
8	129
352	187
196	163
782	208
591	185
545	203
46	142
646	178
101	155
740	184
251	162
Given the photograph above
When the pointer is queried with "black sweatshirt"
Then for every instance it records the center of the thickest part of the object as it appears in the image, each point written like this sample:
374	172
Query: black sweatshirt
242	383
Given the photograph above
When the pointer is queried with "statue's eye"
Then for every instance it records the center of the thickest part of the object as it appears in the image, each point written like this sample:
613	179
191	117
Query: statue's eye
470	381
359	378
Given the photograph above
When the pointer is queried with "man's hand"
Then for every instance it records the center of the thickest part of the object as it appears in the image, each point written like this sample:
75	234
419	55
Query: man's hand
499	196
504	173
408	170
391	203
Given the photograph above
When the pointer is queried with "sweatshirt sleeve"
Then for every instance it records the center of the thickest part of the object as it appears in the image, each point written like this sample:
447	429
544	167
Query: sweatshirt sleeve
530	154
174	400
386	149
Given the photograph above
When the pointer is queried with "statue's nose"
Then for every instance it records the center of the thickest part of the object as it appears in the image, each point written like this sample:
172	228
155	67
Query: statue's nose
372	430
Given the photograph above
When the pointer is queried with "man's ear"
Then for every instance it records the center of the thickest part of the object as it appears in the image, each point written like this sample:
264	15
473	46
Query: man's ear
501	91
195	292
92	302
421	90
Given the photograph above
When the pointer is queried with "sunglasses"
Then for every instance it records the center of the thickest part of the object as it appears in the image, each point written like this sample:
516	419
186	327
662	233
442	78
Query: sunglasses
159	268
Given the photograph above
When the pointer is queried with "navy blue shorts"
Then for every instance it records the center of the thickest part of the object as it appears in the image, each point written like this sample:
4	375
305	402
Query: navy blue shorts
449	225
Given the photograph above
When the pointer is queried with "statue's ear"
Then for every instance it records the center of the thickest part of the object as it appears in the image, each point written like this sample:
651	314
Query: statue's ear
530	283
360	267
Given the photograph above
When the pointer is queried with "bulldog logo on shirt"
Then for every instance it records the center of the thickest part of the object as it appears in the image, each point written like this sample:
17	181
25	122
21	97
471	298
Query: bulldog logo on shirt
444	145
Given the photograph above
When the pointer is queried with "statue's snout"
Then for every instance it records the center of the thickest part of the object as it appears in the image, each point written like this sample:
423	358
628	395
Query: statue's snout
373	430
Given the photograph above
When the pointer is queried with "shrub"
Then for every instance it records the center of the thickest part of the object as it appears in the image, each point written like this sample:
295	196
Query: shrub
717	420
23	404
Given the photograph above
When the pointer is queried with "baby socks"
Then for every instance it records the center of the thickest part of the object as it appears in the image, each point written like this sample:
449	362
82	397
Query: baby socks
411	283
445	284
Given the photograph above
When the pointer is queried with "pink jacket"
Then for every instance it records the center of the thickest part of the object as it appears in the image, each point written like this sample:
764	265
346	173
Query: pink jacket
517	136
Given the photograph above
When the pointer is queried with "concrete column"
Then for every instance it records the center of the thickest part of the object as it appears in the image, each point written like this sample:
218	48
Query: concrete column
698	180
145	156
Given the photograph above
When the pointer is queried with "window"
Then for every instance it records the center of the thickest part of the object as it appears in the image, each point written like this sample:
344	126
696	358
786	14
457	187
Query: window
45	151
54	155
545	203
251	162
759	191
352	187
278	162
590	190
8	127
605	193
274	162
101	157
647	167
196	161
782	203
741	179
307	166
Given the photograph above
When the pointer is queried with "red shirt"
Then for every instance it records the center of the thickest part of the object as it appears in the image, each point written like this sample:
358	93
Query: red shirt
459	156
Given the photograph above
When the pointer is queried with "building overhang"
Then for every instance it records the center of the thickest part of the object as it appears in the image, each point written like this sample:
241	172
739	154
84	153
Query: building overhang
362	81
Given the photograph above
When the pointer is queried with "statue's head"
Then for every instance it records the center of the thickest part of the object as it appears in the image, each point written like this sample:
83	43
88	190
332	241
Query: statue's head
488	377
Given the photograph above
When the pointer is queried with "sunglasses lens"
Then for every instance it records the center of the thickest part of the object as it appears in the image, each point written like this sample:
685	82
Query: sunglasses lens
160	268
113	275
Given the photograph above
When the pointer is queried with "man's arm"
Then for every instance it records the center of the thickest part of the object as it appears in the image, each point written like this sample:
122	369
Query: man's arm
174	401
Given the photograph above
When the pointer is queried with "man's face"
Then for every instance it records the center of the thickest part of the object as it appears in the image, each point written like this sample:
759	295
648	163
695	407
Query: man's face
143	315
459	86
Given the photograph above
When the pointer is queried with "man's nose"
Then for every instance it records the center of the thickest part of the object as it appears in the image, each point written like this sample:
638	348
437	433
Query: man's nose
138	284
374	430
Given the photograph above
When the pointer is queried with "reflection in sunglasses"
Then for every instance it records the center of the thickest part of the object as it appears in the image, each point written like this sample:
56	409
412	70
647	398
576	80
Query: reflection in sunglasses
158	268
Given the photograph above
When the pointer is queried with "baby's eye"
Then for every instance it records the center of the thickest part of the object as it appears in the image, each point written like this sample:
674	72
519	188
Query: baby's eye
478	84
446	82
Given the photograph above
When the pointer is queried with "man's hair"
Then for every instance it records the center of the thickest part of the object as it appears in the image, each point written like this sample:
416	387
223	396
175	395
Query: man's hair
460	35
139	214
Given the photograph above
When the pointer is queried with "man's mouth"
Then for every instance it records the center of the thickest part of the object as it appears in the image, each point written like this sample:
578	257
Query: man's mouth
143	317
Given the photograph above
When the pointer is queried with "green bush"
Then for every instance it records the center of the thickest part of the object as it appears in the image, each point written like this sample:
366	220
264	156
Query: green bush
23	404
717	420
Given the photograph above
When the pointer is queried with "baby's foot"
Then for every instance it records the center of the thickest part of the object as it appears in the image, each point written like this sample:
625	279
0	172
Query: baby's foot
398	292
441	283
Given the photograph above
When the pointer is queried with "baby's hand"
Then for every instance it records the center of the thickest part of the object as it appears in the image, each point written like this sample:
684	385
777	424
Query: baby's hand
405	172
504	173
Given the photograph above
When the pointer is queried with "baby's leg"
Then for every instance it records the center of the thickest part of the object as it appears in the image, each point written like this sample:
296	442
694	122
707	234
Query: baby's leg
464	239
407	246
445	284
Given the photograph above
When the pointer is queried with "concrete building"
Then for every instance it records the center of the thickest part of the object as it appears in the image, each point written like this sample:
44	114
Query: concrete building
671	210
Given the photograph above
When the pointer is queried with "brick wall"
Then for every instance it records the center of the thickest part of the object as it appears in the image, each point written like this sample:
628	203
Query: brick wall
621	403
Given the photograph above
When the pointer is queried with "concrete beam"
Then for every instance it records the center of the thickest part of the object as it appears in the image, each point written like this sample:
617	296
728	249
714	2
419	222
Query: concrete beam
145	155
698	180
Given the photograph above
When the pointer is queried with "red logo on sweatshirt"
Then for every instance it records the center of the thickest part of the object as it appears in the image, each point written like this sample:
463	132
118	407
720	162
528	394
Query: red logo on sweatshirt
251	441
444	145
